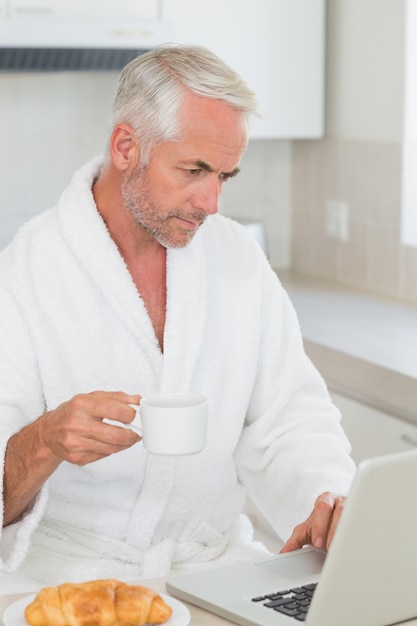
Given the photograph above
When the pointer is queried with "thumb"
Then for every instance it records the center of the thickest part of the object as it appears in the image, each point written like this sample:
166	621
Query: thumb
293	543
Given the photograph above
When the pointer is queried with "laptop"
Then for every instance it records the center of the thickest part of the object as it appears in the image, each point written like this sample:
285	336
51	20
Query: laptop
368	577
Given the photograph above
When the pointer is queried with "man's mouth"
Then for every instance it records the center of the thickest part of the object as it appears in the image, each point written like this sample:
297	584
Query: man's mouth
190	224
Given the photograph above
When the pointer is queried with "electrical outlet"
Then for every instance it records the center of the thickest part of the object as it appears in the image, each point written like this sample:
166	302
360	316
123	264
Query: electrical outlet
337	220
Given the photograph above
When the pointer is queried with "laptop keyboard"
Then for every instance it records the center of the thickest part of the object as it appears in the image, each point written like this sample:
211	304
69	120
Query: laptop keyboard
292	602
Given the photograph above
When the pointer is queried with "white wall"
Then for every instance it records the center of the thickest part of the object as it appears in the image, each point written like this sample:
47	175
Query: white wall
409	153
262	191
50	124
359	162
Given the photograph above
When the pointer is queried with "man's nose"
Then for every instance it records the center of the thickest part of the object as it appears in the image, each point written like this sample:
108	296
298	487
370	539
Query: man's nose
207	197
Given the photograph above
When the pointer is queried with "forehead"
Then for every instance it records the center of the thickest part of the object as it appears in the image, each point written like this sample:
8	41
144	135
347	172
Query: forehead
211	125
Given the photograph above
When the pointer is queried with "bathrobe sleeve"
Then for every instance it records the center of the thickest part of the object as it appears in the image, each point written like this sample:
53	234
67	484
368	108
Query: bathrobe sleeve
292	447
20	403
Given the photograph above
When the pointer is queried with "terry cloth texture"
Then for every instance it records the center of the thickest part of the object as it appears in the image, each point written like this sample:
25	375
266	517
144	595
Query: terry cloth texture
72	321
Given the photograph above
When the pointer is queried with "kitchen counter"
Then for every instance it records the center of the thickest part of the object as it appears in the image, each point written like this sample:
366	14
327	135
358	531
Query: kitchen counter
198	617
364	345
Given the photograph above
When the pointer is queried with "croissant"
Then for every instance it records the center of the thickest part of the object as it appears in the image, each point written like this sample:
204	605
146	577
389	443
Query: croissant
97	603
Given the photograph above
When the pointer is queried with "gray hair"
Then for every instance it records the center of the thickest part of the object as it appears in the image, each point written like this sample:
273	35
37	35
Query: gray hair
152	88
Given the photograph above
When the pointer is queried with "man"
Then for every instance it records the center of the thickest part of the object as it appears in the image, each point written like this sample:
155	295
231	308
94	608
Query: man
133	285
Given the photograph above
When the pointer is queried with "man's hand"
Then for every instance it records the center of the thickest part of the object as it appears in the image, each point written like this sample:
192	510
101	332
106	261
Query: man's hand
319	528
73	432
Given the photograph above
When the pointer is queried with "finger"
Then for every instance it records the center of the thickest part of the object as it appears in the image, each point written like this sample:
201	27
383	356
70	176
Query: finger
113	406
101	441
94	408
337	512
75	431
110	415
118	395
299	538
116	433
292	544
321	519
320	527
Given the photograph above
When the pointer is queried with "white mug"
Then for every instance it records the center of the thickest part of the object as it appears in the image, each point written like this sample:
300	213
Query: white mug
171	423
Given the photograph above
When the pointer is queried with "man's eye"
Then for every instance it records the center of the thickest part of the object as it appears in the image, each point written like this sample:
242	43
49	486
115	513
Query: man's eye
194	172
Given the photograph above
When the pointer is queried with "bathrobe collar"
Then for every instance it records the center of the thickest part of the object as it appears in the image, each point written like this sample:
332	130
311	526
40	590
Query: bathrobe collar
88	237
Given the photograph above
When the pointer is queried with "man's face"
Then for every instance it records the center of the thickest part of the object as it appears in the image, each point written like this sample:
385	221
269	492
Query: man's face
172	196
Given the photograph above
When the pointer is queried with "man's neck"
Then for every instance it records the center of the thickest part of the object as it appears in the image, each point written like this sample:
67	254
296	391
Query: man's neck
145	258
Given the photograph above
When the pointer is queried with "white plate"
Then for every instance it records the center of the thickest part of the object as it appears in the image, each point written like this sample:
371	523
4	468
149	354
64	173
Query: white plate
14	615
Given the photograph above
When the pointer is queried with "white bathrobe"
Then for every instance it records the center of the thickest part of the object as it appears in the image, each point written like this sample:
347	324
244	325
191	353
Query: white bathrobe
72	321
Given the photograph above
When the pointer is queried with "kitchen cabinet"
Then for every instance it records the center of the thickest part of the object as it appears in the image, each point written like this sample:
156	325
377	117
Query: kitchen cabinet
373	432
73	9
276	45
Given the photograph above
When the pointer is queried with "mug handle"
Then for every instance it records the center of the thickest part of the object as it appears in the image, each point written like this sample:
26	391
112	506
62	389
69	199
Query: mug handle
132	426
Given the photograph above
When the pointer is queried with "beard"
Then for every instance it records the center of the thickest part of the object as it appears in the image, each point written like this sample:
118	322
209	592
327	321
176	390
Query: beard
155	220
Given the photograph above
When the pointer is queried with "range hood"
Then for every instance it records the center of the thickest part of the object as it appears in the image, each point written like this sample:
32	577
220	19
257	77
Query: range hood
57	35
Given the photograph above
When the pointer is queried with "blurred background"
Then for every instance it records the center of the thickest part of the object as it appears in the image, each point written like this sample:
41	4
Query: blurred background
323	171
328	182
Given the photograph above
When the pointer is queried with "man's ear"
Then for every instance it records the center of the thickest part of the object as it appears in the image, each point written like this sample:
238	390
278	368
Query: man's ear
124	147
